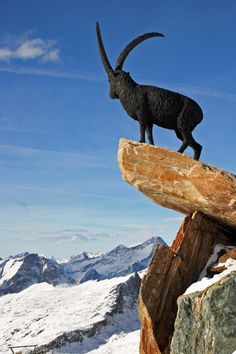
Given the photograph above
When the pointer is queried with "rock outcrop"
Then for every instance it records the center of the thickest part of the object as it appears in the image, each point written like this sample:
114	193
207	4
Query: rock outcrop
206	321
171	271
176	181
208	196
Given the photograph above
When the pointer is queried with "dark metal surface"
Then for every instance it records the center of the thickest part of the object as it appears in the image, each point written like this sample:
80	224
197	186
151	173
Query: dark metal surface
151	105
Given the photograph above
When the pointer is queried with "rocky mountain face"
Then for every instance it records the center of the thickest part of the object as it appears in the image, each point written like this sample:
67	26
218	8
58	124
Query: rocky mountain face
170	321
21	271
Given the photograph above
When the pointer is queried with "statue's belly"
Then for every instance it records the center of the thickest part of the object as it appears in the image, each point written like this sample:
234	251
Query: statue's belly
167	121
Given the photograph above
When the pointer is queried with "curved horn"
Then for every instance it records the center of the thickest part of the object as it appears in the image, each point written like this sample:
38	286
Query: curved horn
105	61
131	45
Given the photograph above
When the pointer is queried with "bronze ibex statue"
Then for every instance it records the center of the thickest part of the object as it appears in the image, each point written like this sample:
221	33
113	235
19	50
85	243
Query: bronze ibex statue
149	104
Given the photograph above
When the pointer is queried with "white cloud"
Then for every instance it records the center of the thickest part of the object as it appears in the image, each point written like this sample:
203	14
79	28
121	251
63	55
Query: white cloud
5	53
52	55
30	49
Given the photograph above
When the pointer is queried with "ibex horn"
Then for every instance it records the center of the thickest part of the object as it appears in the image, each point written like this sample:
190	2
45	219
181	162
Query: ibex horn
131	45
102	52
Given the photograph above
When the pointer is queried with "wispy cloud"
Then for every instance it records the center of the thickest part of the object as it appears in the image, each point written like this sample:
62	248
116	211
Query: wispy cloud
23	48
194	90
174	219
68	238
79	75
74	234
203	91
95	77
47	158
73	230
141	232
4	188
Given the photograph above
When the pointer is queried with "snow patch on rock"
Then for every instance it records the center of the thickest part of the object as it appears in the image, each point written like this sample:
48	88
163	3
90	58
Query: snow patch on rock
204	282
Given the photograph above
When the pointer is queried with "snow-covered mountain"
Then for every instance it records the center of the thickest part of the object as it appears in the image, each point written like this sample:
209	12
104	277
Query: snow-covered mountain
21	271
87	318
55	305
118	262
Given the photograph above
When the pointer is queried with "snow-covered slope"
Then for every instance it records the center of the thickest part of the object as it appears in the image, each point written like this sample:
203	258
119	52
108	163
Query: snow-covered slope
84	318
122	343
21	271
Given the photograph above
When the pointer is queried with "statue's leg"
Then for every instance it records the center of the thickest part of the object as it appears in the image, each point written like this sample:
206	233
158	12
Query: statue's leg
142	133
197	150
149	134
184	145
188	140
178	134
143	126
185	128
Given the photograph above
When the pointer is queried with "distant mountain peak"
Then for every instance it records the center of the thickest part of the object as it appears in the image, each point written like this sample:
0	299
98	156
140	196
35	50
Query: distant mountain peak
20	271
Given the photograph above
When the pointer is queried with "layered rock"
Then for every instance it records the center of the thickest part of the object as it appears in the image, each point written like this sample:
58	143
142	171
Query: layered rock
170	273
176	181
206	321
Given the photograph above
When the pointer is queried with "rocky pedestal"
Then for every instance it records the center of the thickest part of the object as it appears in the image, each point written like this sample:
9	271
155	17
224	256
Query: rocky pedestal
170	273
208	195
178	182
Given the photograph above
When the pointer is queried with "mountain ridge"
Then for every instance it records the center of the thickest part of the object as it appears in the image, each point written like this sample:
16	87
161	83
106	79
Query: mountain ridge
25	269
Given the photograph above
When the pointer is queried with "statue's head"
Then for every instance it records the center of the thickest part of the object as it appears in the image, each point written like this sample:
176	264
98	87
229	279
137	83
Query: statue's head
117	77
118	80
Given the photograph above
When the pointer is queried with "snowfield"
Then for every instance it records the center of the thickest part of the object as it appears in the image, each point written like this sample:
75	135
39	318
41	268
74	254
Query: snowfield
90	317
123	343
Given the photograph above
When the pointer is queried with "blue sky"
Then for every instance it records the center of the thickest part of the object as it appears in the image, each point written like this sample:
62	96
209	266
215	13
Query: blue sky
61	190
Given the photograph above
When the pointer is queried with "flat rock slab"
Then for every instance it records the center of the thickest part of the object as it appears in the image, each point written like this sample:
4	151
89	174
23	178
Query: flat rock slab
178	182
